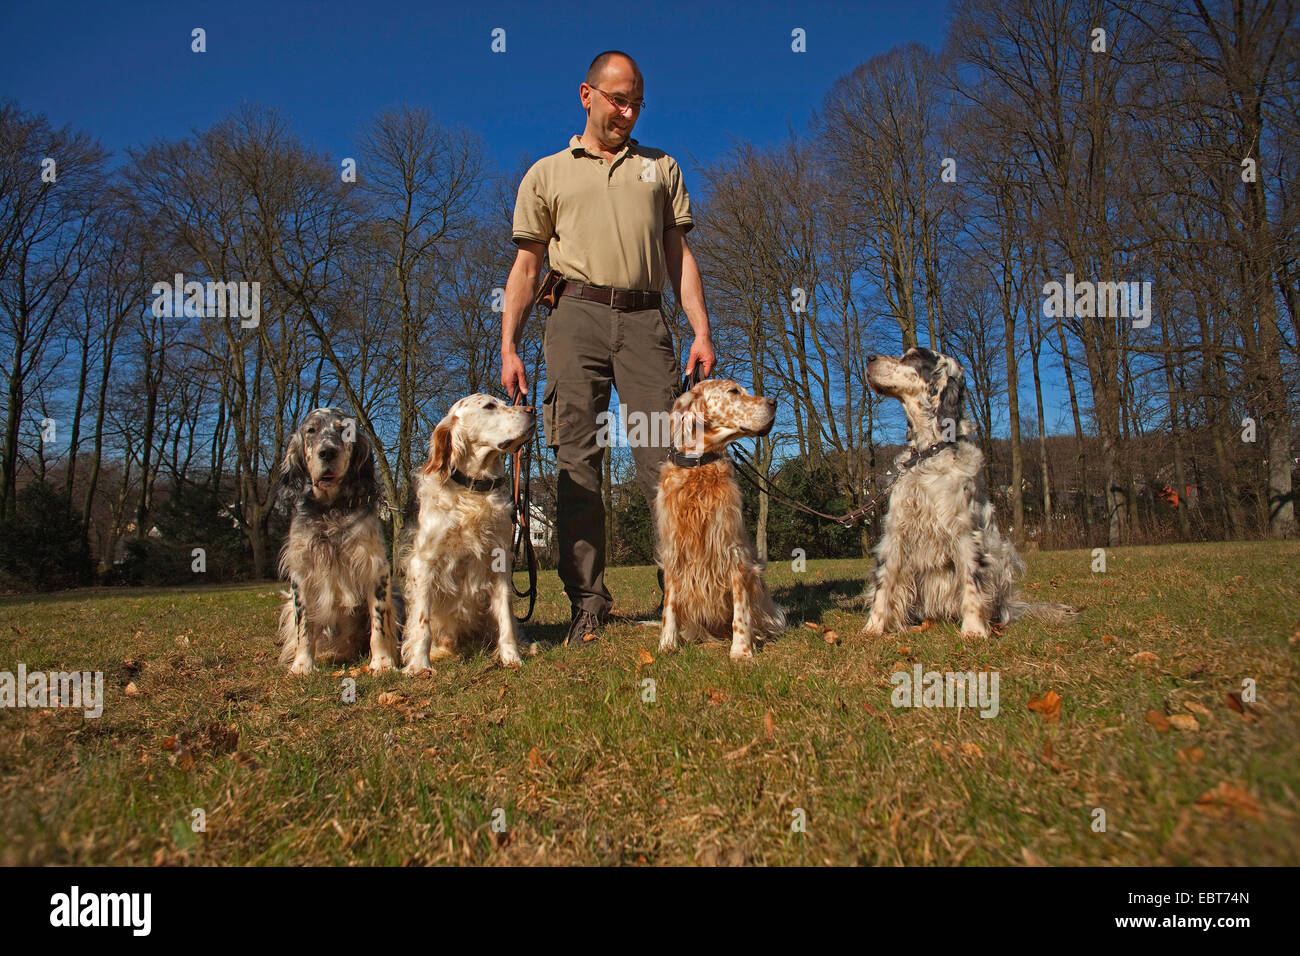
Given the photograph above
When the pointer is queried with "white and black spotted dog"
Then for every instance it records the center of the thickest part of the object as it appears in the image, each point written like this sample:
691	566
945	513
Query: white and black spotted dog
334	555
941	556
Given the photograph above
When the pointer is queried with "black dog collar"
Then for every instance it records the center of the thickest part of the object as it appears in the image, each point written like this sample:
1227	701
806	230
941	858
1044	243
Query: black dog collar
478	484
684	461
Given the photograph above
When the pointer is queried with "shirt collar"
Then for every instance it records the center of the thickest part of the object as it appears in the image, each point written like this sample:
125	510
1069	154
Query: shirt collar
575	146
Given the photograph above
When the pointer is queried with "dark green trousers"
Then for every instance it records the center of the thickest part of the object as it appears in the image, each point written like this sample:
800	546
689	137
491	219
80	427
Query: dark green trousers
588	348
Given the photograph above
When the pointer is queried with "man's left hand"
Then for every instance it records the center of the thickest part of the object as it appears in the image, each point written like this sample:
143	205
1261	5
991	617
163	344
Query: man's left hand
701	352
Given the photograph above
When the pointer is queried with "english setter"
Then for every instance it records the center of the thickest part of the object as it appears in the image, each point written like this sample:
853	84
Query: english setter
941	556
457	558
334	554
712	577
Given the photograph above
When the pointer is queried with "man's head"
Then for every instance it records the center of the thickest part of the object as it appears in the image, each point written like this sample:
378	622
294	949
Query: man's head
612	75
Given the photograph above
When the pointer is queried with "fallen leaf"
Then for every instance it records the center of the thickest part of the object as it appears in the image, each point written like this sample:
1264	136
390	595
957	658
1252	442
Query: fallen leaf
1158	720
768	726
1191	755
831	637
1032	858
715	696
1144	657
1196	708
1109	639
971	749
1049	705
904	650
922	627
131	690
535	759
1235	702
899	666
389	698
1183	722
645	656
169	743
184	760
810	624
1227	799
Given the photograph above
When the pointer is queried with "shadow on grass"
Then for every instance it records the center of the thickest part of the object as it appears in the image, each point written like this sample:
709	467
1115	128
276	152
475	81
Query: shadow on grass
808	602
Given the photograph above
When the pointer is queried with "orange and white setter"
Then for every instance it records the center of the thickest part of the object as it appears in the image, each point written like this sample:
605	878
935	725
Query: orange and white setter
712	577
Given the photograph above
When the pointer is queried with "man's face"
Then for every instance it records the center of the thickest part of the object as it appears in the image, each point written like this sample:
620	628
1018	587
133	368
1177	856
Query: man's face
611	125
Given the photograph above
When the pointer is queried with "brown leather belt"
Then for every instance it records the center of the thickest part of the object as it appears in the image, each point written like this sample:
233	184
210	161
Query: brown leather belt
629	300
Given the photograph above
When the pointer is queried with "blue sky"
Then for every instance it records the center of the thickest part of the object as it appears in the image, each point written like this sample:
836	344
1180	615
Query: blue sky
125	73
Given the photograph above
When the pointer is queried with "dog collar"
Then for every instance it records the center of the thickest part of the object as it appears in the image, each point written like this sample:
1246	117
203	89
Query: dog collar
478	484
684	461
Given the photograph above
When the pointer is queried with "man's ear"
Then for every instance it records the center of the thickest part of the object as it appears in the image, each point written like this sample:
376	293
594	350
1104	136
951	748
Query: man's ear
440	449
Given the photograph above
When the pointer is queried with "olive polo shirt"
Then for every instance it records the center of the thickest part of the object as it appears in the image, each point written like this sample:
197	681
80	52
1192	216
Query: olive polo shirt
604	222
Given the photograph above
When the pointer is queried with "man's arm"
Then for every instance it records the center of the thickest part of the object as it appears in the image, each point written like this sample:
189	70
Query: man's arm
521	286
685	277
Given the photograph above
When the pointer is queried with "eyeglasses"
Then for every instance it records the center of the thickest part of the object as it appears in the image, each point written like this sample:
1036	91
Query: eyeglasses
621	102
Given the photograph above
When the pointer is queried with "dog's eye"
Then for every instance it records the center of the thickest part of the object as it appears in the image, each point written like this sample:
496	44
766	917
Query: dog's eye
312	430
491	406
733	391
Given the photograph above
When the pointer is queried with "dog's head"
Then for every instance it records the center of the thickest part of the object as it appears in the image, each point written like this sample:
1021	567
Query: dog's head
476	435
329	459
931	387
717	411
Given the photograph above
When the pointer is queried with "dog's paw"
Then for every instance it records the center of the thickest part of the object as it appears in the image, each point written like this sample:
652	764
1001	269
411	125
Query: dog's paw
301	667
974	632
381	663
510	657
872	628
667	644
416	668
742	653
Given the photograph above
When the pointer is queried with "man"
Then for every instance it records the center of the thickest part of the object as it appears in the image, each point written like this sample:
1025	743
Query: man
612	215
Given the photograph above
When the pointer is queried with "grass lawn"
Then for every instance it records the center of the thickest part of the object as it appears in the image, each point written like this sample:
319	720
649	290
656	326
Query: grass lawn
577	767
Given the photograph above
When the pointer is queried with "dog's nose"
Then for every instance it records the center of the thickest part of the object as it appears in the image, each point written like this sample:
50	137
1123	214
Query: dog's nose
528	409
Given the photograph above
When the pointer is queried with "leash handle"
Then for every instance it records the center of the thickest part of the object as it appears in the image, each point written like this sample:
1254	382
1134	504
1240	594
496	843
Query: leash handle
522	535
690	381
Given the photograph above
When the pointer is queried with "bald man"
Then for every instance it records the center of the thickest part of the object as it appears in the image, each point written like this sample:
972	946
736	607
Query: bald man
612	216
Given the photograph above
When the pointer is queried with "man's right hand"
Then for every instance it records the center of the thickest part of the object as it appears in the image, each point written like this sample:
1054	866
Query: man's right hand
513	377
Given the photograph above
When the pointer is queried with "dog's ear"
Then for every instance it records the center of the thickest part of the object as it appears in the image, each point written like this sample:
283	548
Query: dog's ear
685	422
440	449
293	472
361	463
951	385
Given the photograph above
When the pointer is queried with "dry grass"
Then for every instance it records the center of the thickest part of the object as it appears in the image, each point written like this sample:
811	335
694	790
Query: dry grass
713	770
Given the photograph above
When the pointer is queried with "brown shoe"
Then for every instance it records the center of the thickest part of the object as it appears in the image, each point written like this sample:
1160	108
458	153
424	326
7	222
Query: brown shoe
584	628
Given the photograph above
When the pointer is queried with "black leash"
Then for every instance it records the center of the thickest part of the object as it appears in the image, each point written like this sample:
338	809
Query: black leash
745	467
522	506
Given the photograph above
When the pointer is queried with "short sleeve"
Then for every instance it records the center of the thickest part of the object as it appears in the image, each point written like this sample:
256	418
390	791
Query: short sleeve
533	215
677	201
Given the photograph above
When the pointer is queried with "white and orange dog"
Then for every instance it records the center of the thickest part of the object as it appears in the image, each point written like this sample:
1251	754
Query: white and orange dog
457	558
712	577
